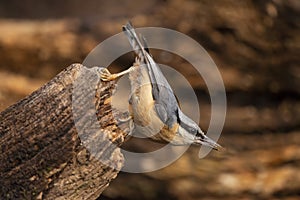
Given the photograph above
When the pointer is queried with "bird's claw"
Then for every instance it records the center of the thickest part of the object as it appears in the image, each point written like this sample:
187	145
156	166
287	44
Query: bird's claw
105	75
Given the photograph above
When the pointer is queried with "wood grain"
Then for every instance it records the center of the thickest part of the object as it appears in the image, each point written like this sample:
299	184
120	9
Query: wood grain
42	154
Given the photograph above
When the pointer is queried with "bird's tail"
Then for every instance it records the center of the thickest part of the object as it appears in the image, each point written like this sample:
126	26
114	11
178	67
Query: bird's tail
144	57
140	49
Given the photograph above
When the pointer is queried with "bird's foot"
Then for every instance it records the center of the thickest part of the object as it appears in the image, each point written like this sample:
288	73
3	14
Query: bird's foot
105	75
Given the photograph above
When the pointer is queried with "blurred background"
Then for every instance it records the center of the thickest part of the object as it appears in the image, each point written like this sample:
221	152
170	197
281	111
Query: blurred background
254	43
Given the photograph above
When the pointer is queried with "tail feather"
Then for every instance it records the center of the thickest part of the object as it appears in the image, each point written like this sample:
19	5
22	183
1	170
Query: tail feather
135	42
145	44
143	56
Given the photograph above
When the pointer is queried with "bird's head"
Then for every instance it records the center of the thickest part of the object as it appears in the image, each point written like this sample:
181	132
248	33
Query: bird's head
191	133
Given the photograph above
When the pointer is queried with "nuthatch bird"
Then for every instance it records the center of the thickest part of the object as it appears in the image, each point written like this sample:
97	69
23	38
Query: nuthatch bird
153	105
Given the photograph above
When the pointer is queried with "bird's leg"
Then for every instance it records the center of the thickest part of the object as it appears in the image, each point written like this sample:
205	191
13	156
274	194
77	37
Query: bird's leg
105	75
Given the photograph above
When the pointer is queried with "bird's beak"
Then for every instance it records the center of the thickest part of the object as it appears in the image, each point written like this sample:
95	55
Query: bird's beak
208	142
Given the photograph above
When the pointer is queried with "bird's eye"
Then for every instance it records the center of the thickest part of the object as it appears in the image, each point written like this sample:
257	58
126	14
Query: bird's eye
193	130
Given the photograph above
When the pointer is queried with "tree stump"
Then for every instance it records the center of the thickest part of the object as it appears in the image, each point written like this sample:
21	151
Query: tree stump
42	155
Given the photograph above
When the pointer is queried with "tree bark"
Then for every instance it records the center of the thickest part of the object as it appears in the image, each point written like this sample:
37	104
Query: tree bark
43	155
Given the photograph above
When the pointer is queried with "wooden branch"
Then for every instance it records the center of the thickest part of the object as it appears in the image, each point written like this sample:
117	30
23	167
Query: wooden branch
42	155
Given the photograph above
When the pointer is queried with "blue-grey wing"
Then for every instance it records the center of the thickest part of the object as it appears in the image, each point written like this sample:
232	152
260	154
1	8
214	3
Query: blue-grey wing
163	94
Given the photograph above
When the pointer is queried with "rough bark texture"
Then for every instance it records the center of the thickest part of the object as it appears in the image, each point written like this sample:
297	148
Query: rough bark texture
42	154
255	45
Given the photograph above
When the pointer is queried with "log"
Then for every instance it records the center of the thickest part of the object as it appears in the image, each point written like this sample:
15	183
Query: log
43	156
